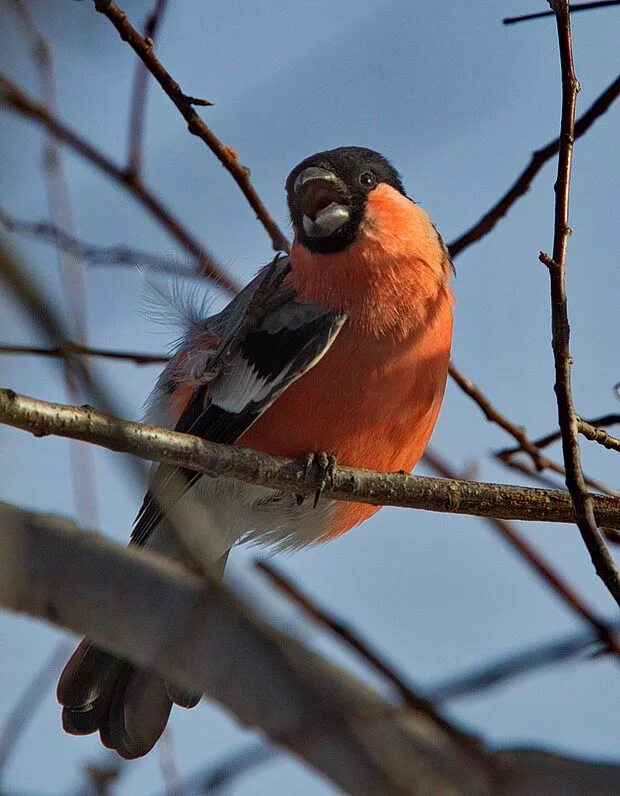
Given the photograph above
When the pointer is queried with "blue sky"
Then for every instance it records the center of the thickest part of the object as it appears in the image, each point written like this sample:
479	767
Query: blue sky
457	102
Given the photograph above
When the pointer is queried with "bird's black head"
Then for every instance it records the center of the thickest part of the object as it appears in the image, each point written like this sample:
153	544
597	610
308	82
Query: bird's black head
327	195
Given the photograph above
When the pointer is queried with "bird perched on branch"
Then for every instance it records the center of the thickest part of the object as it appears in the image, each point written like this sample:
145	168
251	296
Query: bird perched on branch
339	350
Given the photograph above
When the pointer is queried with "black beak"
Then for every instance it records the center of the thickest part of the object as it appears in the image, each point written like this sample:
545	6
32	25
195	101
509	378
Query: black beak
323	200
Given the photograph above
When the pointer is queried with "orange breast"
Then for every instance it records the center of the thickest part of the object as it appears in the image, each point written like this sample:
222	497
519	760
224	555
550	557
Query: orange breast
370	402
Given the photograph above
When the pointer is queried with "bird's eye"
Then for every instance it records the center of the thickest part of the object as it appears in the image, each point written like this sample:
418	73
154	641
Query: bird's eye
368	179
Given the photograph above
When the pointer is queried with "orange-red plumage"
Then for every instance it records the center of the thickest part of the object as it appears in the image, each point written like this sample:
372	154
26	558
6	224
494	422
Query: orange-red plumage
374	398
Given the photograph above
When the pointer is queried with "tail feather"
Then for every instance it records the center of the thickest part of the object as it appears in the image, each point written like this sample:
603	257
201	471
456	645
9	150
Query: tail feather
128	706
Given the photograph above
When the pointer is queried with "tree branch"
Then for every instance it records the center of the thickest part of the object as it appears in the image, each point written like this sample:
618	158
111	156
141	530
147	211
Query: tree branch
137	605
140	92
543	568
43	418
13	97
71	349
595	4
603	562
195	124
523	182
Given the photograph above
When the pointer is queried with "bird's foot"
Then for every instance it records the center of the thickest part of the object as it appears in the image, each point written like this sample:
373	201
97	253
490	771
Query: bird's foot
325	466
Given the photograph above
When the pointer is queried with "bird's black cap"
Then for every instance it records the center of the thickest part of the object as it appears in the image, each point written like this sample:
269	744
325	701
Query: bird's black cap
327	194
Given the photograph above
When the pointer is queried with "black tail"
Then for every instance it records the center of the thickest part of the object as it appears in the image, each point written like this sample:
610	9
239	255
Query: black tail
128	706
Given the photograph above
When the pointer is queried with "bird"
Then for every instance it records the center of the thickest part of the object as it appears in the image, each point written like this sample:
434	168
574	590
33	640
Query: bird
338	352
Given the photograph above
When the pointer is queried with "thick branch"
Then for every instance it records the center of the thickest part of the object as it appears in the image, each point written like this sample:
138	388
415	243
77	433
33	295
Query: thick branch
137	605
560	330
13	97
195	124
363	486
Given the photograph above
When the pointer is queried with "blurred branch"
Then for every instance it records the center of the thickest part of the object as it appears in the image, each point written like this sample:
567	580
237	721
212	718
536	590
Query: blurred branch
71	349
327	717
195	124
353	640
94	255
13	97
28	701
471	682
168	764
43	418
319	712
537	562
603	562
220	774
140	92
523	182
70	263
573	8
517	664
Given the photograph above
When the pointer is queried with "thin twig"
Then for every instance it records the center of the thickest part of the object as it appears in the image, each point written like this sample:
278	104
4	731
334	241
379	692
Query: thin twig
70	263
517	664
409	693
221	773
495	416
71	349
43	418
603	420
13	97
591	432
523	182
596	4
525	445
140	93
603	562
94	255
195	124
536	561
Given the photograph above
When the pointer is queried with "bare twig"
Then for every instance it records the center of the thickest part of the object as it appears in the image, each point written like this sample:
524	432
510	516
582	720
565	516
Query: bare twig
410	694
195	124
532	449
70	263
536	561
27	703
495	416
592	432
43	418
93	255
13	97
220	774
71	349
505	669
548	439
596	4
140	92
522	184
603	562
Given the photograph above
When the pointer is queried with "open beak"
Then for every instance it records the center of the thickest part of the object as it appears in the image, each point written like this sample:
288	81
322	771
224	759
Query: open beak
323	200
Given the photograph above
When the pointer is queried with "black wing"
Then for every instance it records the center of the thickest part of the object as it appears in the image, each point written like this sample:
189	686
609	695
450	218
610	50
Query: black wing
289	340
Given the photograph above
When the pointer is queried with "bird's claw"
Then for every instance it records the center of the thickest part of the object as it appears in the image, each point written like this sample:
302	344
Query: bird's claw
325	466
